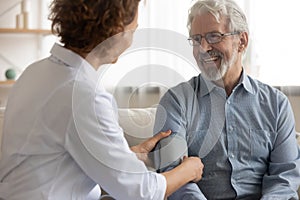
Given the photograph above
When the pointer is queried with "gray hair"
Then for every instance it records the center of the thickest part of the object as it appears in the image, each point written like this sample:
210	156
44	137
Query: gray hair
236	18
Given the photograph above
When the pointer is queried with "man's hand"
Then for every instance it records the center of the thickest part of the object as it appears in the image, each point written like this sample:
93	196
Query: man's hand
142	150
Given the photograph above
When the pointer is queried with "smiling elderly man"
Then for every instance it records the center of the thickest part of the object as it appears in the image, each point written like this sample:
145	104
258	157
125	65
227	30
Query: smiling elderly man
242	129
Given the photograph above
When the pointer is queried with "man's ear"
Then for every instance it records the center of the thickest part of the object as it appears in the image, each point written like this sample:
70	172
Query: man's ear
243	41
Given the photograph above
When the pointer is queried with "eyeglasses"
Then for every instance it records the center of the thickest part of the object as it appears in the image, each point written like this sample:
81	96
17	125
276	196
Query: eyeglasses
211	38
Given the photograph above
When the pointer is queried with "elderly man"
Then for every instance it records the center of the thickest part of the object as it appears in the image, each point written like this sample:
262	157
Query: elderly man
242	129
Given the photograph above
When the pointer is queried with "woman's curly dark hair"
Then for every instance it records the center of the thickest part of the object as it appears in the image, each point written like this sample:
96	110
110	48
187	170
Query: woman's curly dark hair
83	24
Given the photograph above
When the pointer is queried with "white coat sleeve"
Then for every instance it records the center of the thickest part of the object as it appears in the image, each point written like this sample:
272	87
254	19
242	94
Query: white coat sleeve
96	142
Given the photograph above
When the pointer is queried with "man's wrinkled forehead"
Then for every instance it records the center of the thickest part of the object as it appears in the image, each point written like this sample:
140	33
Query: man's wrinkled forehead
204	23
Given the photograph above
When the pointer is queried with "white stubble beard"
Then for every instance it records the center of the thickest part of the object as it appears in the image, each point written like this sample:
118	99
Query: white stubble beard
215	74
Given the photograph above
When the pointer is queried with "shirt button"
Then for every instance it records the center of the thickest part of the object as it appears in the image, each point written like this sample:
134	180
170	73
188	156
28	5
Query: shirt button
230	128
228	102
231	155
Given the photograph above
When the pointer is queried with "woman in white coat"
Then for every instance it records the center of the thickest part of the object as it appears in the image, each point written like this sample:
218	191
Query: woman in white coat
61	137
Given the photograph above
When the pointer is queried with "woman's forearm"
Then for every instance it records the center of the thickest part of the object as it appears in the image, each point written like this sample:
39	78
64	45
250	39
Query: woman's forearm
189	170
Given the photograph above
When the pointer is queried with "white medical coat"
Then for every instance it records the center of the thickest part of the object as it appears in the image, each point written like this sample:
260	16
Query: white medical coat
61	138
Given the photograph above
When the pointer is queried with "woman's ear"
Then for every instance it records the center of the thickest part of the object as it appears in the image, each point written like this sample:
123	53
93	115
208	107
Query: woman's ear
243	41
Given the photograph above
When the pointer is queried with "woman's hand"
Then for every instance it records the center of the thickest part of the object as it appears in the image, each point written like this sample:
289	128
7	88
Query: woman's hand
142	150
190	169
195	165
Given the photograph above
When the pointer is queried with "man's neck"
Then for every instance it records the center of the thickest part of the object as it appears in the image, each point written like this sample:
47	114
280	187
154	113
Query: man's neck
230	80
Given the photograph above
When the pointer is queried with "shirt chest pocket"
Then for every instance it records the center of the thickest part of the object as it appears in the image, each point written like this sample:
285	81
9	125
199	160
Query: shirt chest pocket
261	144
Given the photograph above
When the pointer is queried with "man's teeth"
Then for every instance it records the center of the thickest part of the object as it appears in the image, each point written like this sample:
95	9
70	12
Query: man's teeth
211	59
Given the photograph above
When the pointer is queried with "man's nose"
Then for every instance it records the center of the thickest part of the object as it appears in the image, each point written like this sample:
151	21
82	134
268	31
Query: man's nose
205	46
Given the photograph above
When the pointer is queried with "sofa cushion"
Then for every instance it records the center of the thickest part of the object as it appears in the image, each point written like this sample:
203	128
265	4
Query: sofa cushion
137	123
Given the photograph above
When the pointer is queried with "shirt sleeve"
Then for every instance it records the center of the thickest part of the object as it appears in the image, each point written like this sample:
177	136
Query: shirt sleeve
283	177
96	143
170	115
189	191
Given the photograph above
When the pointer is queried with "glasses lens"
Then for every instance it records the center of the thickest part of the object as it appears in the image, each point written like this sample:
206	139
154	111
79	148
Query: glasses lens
191	41
212	38
195	40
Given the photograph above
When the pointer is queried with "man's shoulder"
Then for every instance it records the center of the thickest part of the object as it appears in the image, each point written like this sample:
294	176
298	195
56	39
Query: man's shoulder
182	92
186	86
265	89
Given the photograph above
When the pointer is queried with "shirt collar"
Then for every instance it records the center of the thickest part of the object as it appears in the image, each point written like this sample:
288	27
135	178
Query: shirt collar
245	82
72	59
206	86
66	56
